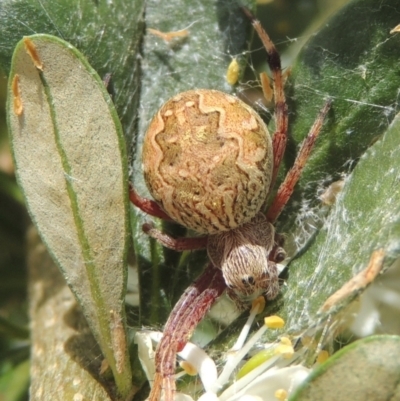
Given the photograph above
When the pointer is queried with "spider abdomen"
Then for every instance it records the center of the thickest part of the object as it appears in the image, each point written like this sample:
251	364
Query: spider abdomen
207	160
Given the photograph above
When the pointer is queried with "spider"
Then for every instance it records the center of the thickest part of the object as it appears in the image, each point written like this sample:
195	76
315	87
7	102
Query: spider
209	163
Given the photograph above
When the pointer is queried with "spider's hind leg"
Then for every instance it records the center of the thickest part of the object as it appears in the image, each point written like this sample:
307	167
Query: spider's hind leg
147	205
286	188
279	138
177	244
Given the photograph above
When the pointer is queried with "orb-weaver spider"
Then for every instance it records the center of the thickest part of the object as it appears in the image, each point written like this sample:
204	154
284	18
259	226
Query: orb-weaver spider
210	164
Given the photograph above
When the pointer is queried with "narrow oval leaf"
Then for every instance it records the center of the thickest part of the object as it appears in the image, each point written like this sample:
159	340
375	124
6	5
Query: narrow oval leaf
352	59
62	344
368	369
107	33
71	164
366	217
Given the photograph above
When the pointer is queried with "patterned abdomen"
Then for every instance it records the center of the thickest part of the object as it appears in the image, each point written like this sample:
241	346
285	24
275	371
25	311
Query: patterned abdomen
207	160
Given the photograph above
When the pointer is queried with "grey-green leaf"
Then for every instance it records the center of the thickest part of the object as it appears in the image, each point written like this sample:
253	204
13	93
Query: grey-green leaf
107	33
366	217
353	59
62	345
71	165
368	369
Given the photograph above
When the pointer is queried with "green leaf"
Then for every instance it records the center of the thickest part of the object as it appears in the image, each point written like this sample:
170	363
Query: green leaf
14	383
365	370
107	33
11	329
71	165
366	217
65	359
353	59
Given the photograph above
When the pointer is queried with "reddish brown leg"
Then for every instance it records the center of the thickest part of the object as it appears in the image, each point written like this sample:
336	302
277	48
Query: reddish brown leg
286	188
281	112
187	313
148	206
177	244
152	208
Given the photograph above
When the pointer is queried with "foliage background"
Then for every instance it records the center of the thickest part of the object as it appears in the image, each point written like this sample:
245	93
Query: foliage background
285	20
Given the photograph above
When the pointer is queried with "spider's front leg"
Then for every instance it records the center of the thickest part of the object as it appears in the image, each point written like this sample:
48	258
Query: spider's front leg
279	138
281	120
187	313
189	310
287	187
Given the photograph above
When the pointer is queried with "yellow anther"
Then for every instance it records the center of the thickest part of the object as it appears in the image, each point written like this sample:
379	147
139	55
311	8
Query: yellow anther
322	356
286	341
286	351
188	368
258	305
266	87
274	322
281	394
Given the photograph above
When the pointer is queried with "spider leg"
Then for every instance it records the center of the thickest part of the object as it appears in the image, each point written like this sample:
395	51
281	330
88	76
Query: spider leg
279	138
286	188
187	313
177	244
148	206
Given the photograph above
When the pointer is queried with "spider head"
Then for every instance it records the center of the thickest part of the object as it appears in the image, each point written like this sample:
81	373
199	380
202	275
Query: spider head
248	273
243	256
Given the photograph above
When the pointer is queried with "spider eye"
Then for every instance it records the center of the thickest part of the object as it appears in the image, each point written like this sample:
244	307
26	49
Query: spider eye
280	257
249	280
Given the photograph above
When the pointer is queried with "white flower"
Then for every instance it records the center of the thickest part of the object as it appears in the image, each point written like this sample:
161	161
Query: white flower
267	376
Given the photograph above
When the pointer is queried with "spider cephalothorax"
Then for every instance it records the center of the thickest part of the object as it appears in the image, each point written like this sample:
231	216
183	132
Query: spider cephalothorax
243	256
210	164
